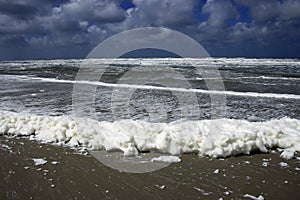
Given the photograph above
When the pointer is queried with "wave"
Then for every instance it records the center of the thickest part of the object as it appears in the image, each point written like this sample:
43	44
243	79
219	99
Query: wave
148	87
252	77
215	138
277	78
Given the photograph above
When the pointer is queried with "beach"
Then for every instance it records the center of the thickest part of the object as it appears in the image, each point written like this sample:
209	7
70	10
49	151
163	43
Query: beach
231	132
67	174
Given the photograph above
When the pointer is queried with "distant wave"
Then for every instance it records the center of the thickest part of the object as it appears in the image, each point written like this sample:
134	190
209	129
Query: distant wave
216	92
202	91
254	77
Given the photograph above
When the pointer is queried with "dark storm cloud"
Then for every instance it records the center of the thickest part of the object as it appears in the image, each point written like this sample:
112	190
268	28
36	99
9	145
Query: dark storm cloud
12	39
269	10
273	22
25	9
224	28
270	31
18	10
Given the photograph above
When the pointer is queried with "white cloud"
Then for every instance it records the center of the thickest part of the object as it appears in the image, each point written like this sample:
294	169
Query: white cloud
102	11
219	13
164	12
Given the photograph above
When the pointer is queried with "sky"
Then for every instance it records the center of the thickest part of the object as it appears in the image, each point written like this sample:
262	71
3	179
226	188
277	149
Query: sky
54	29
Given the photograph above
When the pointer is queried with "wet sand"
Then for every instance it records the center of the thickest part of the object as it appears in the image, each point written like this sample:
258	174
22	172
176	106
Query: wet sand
69	175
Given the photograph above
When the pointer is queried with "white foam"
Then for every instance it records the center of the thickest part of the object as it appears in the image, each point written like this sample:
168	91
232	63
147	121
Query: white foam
202	191
215	138
287	154
160	186
283	164
260	197
39	161
54	162
168	159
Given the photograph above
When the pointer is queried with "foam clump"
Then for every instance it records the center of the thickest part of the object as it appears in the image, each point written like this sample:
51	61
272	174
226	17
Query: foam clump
214	138
167	159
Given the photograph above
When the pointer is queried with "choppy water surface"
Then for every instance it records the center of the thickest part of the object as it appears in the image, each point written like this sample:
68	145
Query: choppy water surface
257	89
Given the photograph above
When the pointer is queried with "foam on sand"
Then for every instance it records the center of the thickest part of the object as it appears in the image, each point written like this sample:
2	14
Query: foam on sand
215	138
39	161
168	159
260	197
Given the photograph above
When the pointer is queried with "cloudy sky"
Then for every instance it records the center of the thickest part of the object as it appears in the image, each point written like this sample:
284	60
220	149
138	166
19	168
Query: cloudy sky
39	29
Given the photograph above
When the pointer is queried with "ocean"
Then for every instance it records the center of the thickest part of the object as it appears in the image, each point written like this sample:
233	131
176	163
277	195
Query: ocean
45	87
157	119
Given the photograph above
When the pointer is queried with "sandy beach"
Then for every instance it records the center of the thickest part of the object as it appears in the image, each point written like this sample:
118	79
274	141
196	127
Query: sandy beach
69	175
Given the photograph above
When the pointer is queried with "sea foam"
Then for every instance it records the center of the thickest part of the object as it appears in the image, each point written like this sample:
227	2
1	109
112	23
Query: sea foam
214	138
